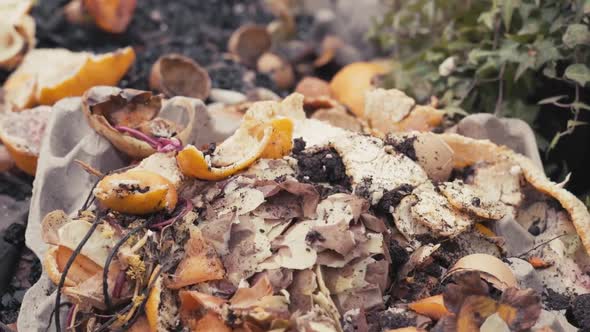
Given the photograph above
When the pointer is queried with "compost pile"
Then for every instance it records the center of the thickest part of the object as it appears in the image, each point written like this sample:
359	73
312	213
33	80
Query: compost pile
234	166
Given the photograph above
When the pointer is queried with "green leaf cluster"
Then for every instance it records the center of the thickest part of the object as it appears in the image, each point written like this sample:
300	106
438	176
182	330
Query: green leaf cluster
489	56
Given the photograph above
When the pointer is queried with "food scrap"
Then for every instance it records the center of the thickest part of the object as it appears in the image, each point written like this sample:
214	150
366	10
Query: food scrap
279	228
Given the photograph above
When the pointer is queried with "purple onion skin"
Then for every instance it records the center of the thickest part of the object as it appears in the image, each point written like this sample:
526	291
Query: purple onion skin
70	315
187	208
118	288
159	144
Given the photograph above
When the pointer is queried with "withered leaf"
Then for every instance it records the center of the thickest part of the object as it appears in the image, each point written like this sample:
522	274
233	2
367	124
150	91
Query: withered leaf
466	284
520	308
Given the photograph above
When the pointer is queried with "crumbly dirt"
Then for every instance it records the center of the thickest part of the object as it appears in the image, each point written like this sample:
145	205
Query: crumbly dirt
579	312
386	320
320	166
392	198
197	29
405	146
554	300
19	267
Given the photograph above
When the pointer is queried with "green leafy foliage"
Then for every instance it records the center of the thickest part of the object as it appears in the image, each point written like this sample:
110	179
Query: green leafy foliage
490	56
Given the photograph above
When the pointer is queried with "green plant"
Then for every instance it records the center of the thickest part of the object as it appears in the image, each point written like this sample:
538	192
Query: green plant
491	56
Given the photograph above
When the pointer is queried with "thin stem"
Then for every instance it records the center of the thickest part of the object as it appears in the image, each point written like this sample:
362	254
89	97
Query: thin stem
69	264
105	271
498	109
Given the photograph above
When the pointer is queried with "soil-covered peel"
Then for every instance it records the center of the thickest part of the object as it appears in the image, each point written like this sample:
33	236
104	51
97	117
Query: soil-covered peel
136	192
300	225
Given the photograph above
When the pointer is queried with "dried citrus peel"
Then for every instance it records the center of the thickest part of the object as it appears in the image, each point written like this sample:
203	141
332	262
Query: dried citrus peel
136	192
48	75
193	162
266	131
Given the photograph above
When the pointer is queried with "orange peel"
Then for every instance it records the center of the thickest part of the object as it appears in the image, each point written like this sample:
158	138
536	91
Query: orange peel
136	192
350	84
152	305
22	133
105	69
200	264
432	307
82	269
265	132
48	75
111	15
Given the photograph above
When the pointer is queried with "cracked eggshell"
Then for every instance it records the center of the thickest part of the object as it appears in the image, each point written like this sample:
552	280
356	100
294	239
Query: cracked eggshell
472	151
491	269
471	199
365	157
405	222
434	211
313	87
338	117
434	155
278	68
499	181
383	108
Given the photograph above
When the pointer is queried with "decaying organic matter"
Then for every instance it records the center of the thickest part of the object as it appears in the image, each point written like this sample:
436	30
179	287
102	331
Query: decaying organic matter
280	228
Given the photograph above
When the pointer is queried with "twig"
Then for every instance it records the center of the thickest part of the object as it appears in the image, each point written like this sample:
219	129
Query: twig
69	264
498	109
540	245
105	272
89	169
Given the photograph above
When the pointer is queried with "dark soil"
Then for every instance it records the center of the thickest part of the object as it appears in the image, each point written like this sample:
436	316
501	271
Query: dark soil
386	320
555	301
320	166
392	198
19	267
579	312
405	146
399	256
197	29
